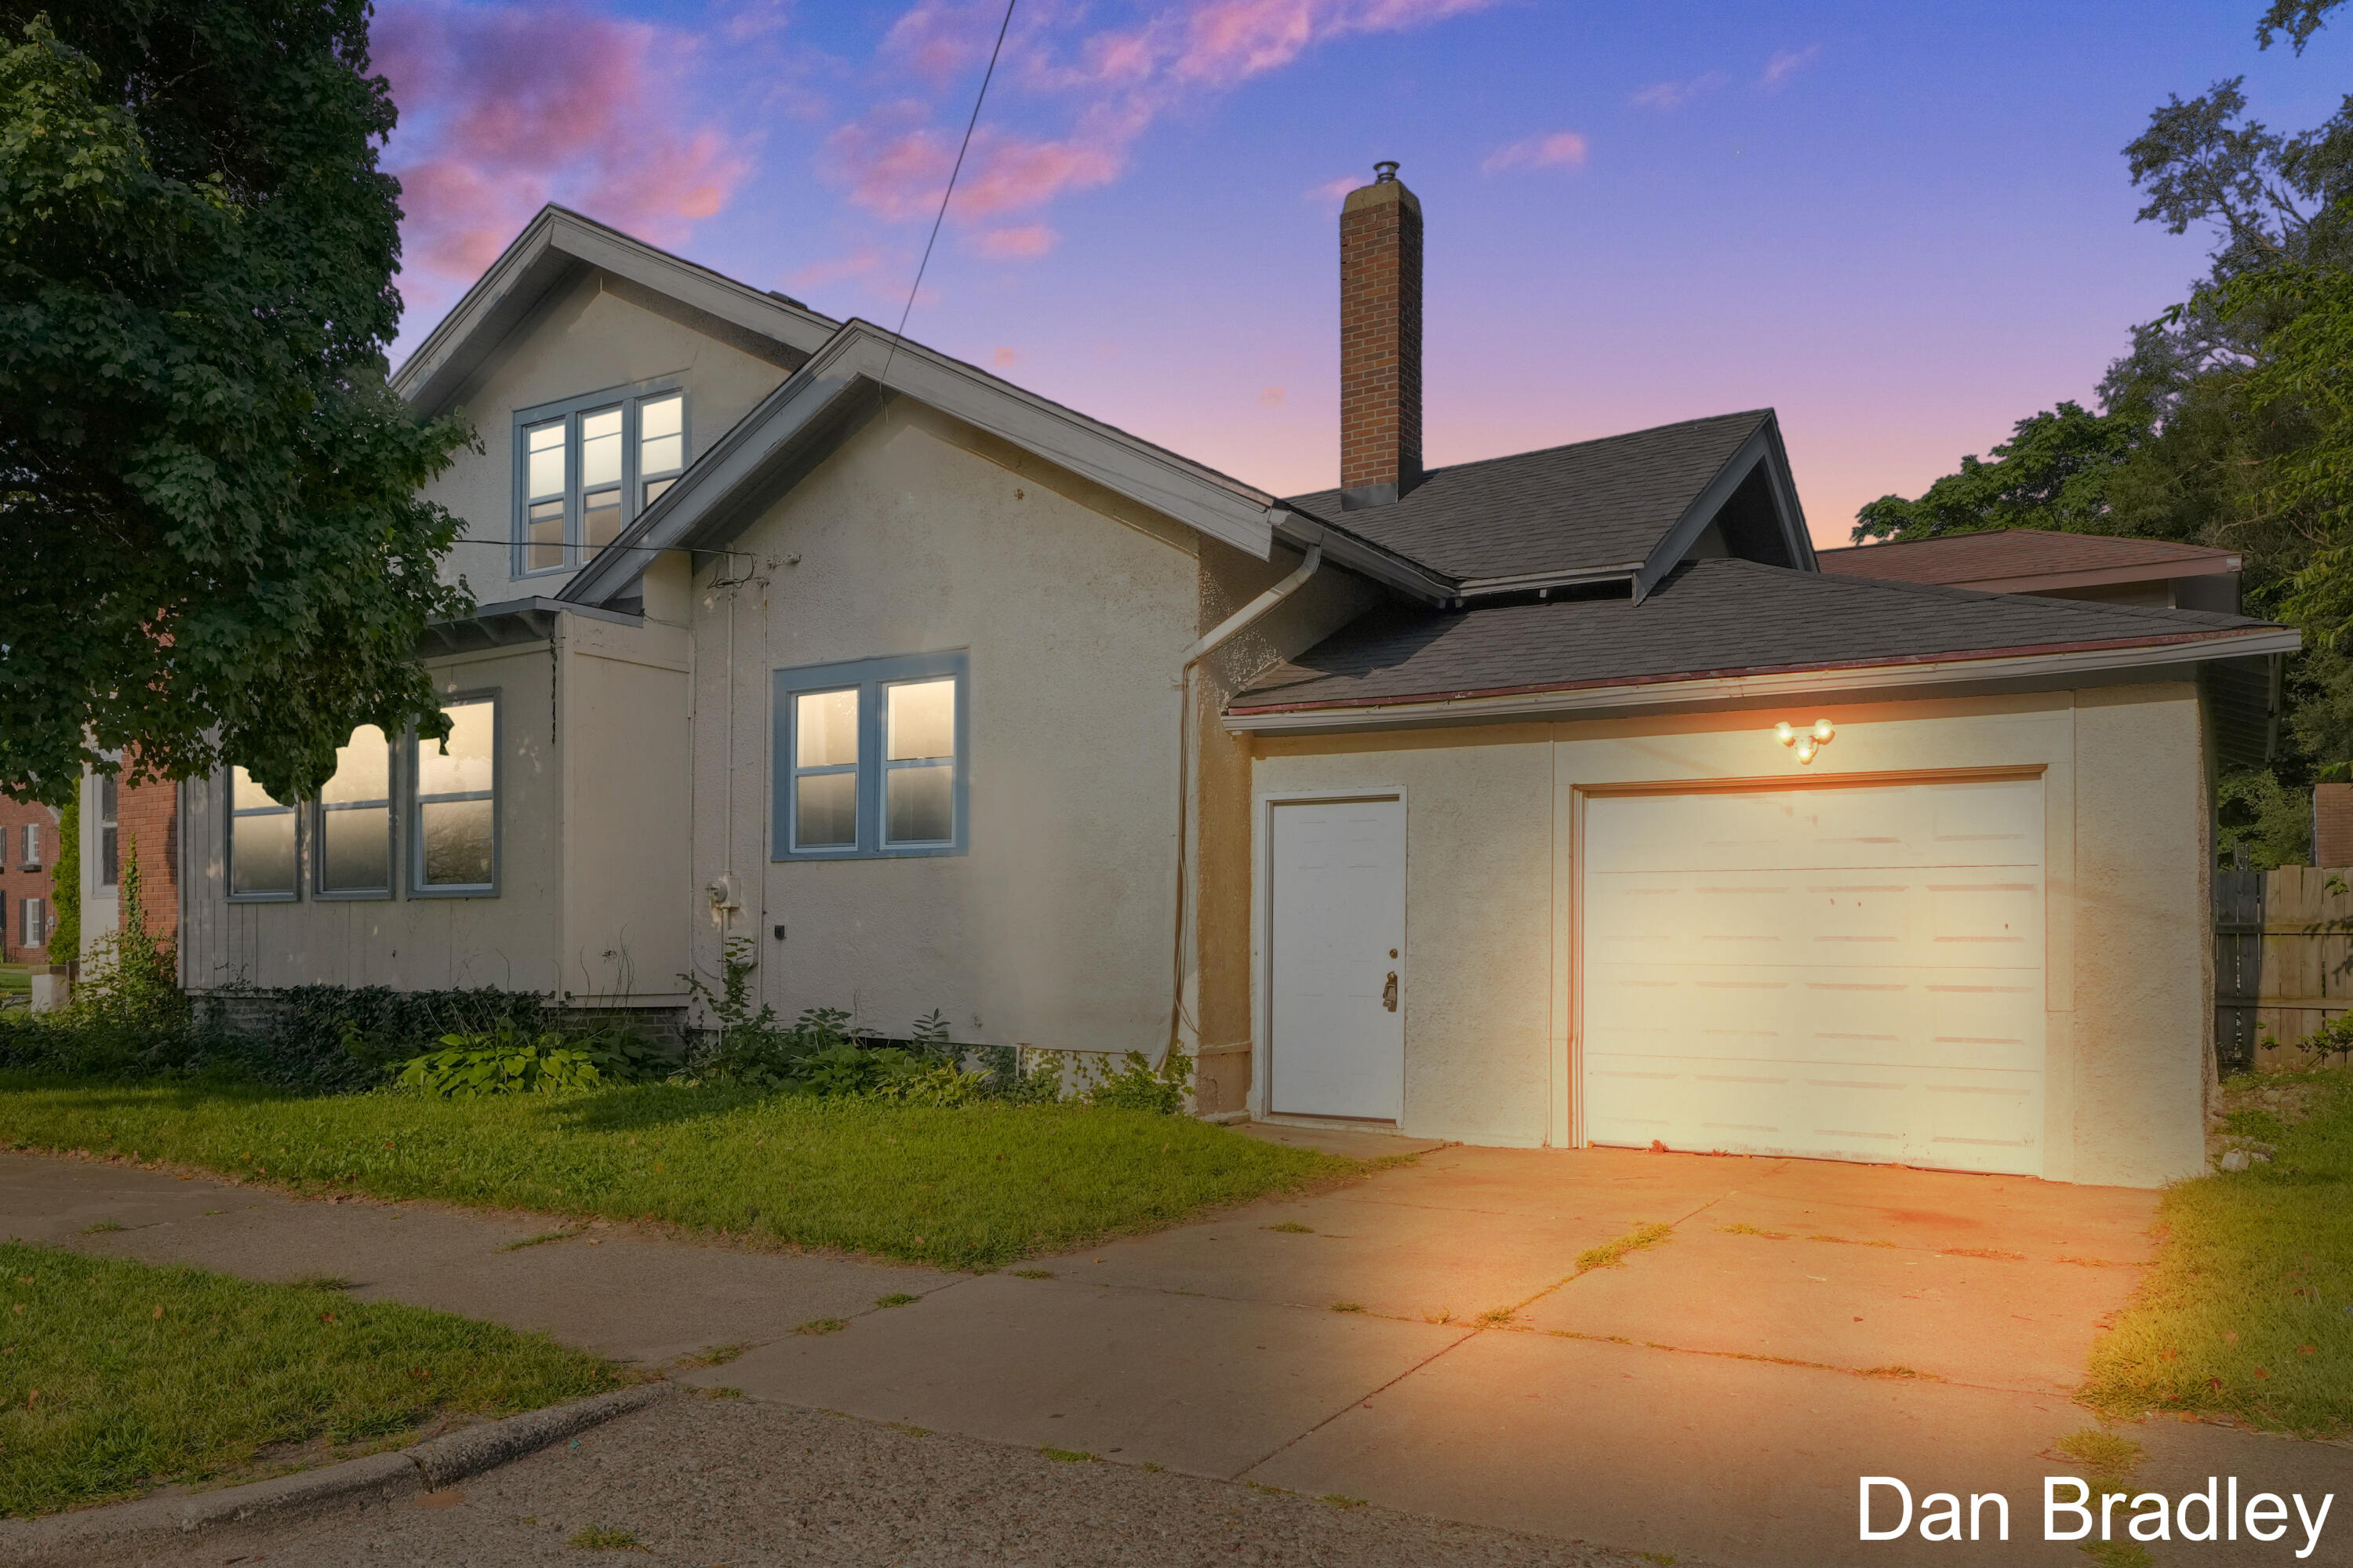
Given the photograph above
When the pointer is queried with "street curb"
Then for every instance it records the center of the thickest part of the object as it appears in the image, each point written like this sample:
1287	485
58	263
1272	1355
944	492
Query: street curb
66	1539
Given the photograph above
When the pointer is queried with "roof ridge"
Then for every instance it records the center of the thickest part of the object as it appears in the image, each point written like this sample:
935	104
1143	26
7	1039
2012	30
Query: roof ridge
2037	532
1428	474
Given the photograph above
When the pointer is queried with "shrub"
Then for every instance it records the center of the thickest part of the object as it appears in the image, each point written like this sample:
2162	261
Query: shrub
1137	1084
476	1064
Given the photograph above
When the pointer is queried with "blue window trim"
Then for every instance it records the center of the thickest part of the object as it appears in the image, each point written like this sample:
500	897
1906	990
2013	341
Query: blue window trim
293	893
868	677
416	801
576	553
317	827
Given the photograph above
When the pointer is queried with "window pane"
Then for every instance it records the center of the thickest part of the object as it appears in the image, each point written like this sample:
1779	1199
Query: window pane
601	449
921	718
363	768
920	806
825	811
110	855
457	838
654	489
661	453
467	767
357	856
825	728
110	792
544	444
261	854
546	532
600	514
245	795
661	417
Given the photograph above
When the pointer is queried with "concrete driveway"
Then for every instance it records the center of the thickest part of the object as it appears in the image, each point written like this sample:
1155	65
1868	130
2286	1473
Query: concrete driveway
1423	1336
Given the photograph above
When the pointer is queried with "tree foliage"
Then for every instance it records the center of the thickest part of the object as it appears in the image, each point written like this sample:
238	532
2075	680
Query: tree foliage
218	548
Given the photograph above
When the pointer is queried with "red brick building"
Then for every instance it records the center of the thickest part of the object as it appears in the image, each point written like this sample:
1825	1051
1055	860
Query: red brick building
28	858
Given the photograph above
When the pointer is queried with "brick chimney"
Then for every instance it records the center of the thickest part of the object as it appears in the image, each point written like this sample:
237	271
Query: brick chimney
1380	342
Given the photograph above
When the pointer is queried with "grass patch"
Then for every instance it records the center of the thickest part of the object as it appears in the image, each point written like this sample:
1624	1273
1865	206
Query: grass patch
1291	1228
602	1538
2247	1313
897	1298
117	1376
1612	1254
321	1282
1069	1455
715	1356
1340	1500
823	1326
972	1187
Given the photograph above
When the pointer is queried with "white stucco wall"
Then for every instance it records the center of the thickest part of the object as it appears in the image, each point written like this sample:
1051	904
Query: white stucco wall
1490	886
602	332
918	536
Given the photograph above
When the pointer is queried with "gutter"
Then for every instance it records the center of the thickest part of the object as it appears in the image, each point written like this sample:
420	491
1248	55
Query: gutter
1570	701
1207	641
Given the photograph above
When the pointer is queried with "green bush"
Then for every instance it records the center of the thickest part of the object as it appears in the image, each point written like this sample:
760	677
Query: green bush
1137	1084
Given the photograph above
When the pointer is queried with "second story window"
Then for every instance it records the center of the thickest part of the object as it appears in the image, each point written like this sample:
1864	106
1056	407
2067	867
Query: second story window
585	466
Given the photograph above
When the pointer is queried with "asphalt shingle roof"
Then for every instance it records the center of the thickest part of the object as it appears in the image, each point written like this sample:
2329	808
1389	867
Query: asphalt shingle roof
2004	554
1563	510
1706	618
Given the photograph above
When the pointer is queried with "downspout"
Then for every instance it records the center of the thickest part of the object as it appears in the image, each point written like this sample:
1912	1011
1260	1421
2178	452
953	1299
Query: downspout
1201	648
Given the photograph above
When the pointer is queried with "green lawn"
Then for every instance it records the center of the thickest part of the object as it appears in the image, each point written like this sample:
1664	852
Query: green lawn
116	1377
972	1187
2248	1314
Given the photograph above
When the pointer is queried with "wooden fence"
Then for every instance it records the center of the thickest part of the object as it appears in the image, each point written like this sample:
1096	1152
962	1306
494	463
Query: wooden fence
2282	960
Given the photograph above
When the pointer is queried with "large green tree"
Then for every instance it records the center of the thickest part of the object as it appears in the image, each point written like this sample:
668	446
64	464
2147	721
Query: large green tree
215	543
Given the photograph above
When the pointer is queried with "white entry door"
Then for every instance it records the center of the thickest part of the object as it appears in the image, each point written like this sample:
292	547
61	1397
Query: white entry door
1851	973
1335	936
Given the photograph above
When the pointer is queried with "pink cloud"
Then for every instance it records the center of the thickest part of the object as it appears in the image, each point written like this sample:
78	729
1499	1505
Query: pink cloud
1335	189
1777	68
1675	94
1562	149
1025	243
506	108
894	161
862	262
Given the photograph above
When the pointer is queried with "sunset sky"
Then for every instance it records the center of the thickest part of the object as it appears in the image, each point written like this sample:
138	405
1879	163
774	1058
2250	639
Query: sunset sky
1905	226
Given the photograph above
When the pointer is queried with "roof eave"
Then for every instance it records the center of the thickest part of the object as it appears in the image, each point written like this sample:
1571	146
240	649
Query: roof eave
552	248
1723	686
855	371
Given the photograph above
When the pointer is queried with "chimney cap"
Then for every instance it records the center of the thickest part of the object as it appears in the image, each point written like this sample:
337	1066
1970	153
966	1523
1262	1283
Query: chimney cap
1385	171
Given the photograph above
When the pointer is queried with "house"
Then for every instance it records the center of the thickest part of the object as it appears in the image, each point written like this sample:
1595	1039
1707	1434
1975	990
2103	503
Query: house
29	857
2103	568
1554	799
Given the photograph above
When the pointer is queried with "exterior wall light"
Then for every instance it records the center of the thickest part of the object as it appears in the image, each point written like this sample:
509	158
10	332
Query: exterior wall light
1805	742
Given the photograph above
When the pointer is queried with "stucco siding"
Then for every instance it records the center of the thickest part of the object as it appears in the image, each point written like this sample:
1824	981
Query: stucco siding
603	332
1475	989
1057	927
1492	896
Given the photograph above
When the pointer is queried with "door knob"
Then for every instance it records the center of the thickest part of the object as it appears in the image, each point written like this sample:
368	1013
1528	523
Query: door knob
1388	992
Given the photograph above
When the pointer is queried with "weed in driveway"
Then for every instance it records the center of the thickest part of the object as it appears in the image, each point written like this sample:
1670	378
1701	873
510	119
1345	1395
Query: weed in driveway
101	1227
823	1326
713	1356
1291	1227
1612	1254
1746	1229
1033	1274
1496	1317
602	1538
1337	1501
896	1299
1347	1305
1069	1455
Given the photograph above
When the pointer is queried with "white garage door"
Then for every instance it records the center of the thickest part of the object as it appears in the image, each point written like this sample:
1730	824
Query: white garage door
1849	973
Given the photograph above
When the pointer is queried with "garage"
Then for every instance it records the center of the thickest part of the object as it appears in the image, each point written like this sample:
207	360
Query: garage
1851	973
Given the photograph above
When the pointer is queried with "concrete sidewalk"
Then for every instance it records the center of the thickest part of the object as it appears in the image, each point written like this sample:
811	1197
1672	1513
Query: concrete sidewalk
1421	1338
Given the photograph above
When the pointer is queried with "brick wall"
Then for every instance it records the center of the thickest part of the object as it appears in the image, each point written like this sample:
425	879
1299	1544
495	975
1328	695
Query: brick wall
1380	339
148	815
19	882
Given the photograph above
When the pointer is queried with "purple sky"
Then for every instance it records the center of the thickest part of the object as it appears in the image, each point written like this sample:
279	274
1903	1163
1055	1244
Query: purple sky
1903	227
